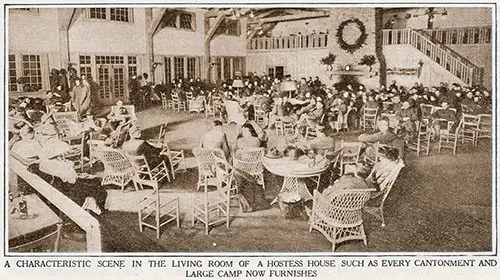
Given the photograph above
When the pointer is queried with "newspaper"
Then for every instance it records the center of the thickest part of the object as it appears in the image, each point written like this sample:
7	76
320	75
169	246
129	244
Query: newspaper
440	217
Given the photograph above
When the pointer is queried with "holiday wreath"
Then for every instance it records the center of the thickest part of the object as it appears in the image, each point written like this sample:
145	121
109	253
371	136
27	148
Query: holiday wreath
351	48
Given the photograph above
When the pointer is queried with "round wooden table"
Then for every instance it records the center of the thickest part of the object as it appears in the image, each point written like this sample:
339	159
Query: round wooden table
295	172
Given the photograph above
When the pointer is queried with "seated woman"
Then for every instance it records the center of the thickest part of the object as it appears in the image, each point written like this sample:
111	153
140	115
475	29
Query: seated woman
248	138
136	146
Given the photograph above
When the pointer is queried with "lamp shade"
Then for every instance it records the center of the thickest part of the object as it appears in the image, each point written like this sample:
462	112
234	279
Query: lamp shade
238	84
288	86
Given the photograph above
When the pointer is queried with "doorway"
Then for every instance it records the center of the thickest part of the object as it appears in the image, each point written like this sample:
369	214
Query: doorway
111	80
276	71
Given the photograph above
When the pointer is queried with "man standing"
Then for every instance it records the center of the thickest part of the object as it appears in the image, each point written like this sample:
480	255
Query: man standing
80	98
215	138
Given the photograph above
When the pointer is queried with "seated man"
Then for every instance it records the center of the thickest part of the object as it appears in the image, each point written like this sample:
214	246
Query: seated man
382	169
384	136
441	117
215	138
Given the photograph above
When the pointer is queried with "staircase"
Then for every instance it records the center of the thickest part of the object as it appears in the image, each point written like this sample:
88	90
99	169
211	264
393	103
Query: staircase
453	62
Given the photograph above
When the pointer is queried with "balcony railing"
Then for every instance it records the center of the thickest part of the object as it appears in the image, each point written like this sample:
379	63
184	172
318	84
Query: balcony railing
290	42
459	36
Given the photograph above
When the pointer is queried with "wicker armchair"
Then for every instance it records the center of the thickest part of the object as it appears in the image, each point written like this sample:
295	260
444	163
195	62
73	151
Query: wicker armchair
339	216
118	169
250	161
206	159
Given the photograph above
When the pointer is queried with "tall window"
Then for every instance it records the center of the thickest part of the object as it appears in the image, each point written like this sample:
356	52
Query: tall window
12	73
179	67
178	19
132	66
227	67
32	70
113	14
85	66
191	67
168	70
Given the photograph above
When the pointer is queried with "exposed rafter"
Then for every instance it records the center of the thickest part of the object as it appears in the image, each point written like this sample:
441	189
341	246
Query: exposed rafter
298	16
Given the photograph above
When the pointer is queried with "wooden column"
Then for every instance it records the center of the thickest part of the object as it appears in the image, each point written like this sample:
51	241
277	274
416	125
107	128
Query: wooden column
64	18
208	39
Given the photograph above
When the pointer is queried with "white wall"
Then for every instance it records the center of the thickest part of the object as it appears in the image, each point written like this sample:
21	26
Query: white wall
227	45
112	37
402	56
480	55
306	62
172	41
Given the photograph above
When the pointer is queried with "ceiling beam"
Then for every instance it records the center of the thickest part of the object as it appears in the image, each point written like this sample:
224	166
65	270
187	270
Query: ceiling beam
217	12
299	16
255	30
262	15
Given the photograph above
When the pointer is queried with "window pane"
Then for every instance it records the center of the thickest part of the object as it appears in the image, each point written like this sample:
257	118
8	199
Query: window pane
32	72
179	67
98	13
185	21
169	19
168	72
119	14
12	73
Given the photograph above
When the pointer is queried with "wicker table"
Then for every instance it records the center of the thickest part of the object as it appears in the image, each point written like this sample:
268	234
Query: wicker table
294	172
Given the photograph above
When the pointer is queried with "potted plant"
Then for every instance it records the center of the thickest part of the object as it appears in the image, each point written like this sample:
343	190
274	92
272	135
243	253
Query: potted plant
368	60
329	60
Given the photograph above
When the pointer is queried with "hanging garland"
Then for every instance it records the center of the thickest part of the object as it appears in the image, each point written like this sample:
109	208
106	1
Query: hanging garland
360	41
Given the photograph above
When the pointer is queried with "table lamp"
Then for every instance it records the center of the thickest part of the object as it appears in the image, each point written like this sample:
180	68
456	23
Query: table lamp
237	84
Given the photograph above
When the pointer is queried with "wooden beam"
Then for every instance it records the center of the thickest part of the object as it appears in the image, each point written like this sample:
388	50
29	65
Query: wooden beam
155	21
260	16
64	17
255	30
208	39
299	16
213	28
212	13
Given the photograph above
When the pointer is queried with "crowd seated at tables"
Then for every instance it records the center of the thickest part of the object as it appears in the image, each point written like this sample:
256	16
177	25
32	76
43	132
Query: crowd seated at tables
313	112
